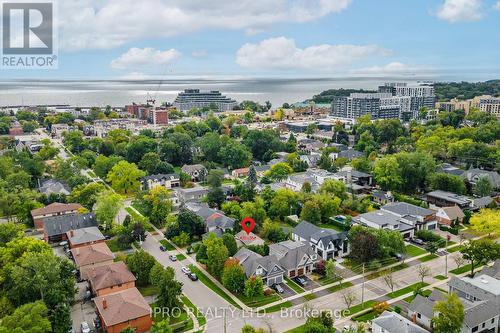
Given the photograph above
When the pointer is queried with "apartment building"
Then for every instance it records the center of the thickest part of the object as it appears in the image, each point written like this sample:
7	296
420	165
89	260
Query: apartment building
196	99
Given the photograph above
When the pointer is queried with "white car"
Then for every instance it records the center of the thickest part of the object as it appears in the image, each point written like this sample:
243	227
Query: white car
63	243
84	327
185	270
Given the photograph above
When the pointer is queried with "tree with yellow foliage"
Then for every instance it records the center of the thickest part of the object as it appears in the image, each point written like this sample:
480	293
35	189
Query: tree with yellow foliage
486	221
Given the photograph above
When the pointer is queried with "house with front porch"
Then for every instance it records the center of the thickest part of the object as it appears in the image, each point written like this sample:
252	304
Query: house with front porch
327	243
266	267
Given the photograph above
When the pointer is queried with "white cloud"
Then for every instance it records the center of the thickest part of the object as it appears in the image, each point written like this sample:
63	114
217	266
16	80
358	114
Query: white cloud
104	24
282	53
497	6
147	57
460	10
392	68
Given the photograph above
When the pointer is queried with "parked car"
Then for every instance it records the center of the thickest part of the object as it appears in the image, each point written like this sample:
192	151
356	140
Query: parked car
107	237
172	257
185	270
399	256
418	241
192	277
279	289
162	248
301	281
97	323
84	327
63	243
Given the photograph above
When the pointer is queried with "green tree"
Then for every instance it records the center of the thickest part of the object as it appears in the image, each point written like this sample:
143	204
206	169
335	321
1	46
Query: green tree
190	223
486	220
162	327
447	182
140	263
482	187
334	187
480	251
311	212
273	232
283	203
150	162
450	315
254	287
170	288
217	255
387	173
108	206
10	231
230	243
252	175
103	165
279	171
28	318
159	205
86	194
233	276
124	177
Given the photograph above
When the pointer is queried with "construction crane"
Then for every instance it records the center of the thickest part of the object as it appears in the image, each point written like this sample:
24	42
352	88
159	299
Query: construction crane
152	100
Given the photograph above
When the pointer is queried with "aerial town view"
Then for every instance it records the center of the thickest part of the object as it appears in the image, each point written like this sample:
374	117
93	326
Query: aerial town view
280	166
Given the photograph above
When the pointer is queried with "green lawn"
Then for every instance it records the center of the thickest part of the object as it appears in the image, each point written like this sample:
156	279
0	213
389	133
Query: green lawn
461	270
440	277
370	315
298	329
206	281
309	297
330	226
278	307
167	245
258	301
179	322
341	286
199	315
424	293
456	248
149	290
359	307
115	247
413	251
428	257
298	289
180	257
382	272
407	289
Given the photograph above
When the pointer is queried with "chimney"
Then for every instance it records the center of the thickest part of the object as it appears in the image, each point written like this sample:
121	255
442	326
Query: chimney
72	233
414	318
104	304
77	251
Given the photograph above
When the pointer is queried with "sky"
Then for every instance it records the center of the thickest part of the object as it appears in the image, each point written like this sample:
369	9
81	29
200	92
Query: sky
147	39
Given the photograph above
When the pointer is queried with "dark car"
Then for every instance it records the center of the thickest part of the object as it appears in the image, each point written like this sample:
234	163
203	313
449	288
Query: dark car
162	248
418	241
301	281
192	277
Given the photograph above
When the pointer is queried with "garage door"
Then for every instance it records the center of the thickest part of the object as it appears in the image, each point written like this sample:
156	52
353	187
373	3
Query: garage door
300	271
278	279
271	281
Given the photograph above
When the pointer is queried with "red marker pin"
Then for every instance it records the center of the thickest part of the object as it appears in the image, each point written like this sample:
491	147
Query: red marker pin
247	224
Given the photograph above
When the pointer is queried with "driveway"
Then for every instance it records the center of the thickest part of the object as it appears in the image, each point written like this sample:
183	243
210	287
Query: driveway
81	312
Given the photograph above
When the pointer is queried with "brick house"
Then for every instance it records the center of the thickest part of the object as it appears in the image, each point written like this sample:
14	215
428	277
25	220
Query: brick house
110	278
126	308
88	257
84	236
54	209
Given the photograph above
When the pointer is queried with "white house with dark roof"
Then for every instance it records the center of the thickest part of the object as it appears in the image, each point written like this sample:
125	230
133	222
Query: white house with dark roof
296	258
392	322
169	181
419	217
215	220
380	219
327	243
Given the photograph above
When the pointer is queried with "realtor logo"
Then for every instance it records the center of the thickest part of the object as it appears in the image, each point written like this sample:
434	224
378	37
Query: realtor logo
28	38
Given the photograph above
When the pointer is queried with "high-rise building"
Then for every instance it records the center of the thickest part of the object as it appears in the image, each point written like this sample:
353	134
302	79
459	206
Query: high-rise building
194	98
394	100
491	106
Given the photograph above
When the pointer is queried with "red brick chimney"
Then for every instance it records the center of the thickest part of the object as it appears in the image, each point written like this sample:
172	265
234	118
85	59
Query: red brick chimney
104	303
414	318
72	233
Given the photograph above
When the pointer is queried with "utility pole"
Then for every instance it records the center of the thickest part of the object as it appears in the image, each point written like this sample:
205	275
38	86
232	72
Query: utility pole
446	256
363	289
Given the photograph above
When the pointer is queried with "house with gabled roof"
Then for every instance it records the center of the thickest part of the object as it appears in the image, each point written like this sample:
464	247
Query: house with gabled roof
110	278
421	218
450	215
123	309
392	322
215	220
327	243
88	257
55	228
266	267
169	181
296	258
84	236
53	209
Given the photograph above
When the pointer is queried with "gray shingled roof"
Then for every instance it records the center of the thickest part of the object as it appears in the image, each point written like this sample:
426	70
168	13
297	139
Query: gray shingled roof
290	253
85	235
251	261
403	208
392	322
167	176
308	230
58	225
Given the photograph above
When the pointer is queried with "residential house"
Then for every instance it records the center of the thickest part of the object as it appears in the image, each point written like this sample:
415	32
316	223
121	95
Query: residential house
238	173
473	175
311	159
483	202
348	154
56	227
481	287
169	181
54	186
444	199
296	258
382	197
493	271
355	177
54	209
480	316
380	219
215	220
392	322
266	267
110	278
194	194
244	239
327	243
450	215
419	217
123	309
84	236
309	145
451	169
88	257
197	172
